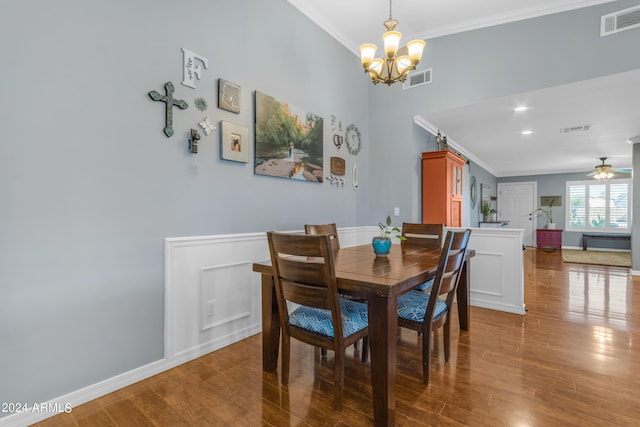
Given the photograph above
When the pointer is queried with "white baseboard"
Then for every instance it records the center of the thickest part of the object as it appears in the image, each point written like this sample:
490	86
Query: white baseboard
35	414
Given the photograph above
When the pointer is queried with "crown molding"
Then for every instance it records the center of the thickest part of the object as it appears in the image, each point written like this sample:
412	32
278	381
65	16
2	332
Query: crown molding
429	127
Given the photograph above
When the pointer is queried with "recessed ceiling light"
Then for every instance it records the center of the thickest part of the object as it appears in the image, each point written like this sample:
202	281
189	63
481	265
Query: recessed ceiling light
520	109
526	132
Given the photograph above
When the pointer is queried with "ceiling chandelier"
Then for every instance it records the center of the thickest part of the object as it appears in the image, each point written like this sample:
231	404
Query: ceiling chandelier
397	63
603	171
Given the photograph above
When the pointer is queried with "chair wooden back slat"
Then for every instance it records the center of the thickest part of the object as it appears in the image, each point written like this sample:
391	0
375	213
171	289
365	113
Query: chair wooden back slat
422	235
329	229
451	272
311	296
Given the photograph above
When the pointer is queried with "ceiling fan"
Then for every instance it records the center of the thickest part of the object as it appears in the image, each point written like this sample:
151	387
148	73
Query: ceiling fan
604	171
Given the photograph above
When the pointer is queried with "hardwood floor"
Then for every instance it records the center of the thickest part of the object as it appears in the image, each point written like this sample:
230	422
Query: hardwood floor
572	360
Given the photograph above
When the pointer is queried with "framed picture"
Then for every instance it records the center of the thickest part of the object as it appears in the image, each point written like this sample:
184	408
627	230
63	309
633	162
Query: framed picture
234	142
551	201
288	141
228	96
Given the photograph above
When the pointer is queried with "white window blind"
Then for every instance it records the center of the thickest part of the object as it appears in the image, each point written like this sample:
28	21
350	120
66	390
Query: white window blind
599	206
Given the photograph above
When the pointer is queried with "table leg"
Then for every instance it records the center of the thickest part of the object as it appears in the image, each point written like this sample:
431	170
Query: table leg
463	294
270	325
383	336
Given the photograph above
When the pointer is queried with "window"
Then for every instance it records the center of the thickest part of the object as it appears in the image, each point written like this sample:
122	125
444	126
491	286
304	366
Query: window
599	206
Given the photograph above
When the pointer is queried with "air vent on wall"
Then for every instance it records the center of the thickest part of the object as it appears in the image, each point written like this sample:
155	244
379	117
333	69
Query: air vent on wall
417	78
572	129
621	20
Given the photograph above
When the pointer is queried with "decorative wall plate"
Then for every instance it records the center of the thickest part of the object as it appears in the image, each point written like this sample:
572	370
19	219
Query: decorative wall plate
337	166
353	139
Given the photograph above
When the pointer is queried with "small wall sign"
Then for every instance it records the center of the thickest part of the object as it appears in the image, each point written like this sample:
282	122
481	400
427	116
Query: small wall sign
191	70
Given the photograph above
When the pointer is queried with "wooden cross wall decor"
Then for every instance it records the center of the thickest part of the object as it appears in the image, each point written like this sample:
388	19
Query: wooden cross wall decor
170	102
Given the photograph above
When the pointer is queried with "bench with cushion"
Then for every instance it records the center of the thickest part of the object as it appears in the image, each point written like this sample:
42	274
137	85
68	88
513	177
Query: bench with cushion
602	236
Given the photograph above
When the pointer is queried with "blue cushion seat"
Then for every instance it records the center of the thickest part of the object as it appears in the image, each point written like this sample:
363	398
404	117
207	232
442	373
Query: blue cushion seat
413	306
426	285
354	315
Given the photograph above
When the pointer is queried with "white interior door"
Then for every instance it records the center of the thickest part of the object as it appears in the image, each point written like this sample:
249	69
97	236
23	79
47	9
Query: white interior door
516	204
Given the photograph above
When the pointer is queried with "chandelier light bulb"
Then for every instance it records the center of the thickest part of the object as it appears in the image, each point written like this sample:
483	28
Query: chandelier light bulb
415	48
391	42
367	54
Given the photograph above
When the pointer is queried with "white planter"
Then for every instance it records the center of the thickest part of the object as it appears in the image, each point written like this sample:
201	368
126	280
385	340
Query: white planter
551	226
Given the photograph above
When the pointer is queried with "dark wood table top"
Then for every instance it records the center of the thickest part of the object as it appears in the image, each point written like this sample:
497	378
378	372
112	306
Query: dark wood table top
359	270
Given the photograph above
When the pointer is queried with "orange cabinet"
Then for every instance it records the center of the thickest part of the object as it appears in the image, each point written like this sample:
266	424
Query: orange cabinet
442	188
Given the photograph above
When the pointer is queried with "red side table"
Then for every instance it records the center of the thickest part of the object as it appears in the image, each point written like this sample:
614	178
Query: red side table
549	238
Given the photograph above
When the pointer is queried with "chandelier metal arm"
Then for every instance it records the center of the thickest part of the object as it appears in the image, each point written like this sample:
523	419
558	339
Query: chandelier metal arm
386	74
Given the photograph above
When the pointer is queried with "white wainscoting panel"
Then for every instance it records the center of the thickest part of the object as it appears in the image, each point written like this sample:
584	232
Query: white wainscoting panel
225	294
488	264
212	296
497	269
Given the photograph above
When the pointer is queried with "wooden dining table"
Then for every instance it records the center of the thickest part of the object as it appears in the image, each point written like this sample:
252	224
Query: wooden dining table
379	280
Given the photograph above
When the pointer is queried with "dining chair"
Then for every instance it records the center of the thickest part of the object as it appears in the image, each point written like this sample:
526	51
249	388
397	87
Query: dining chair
304	274
329	229
427	312
422	236
332	231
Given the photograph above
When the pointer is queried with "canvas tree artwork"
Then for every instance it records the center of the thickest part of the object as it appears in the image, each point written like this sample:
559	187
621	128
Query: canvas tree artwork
288	141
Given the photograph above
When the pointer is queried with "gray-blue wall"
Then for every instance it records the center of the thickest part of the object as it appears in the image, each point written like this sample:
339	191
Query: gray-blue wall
90	187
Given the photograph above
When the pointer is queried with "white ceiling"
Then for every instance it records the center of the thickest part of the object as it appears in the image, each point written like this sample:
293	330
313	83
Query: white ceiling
608	104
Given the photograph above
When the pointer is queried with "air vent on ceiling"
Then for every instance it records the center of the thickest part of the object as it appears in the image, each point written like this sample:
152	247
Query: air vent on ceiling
573	129
621	20
417	78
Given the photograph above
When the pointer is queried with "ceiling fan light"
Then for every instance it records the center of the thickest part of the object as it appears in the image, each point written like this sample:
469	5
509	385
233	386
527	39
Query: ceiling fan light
603	175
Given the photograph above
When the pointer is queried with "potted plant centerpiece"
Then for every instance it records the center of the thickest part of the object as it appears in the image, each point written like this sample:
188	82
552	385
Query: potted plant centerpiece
548	214
382	243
